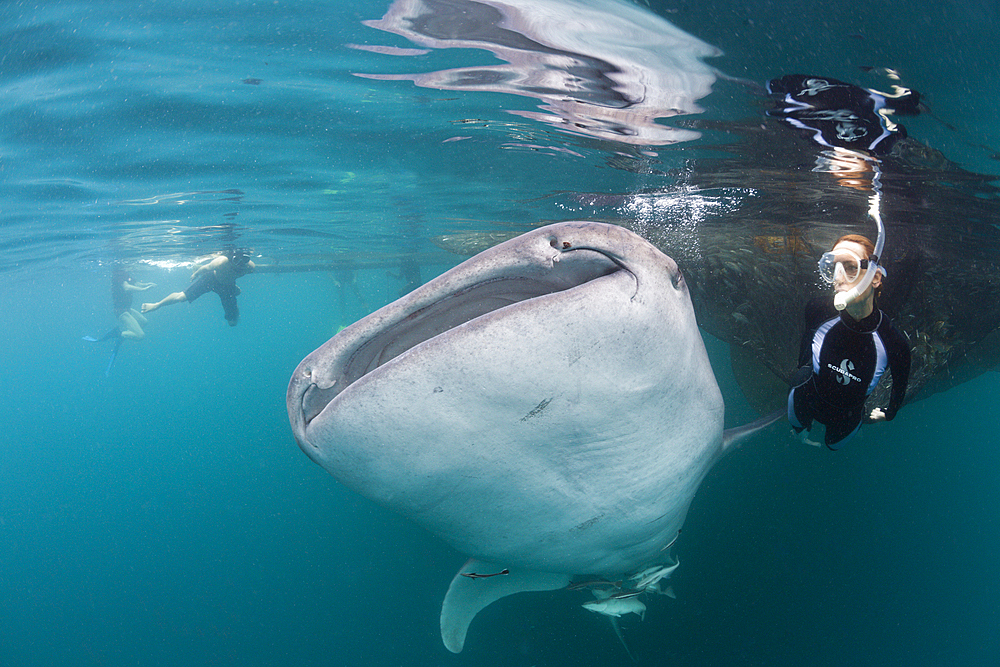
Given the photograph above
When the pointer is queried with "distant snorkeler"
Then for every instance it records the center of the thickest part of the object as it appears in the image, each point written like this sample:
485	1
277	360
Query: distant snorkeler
843	115
130	320
843	355
218	275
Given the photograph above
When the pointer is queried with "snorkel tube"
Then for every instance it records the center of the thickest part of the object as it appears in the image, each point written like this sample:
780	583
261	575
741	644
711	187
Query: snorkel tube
844	299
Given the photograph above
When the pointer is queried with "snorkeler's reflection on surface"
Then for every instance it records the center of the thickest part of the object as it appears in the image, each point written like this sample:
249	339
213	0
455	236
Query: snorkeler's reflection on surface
607	73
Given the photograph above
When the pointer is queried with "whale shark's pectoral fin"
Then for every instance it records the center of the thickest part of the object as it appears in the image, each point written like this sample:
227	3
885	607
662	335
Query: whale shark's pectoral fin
734	437
478	584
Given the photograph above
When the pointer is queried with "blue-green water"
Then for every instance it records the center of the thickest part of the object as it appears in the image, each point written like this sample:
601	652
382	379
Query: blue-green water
164	515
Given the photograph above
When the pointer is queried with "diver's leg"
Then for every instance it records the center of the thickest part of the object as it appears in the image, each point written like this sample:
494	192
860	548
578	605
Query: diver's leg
839	432
230	308
176	297
130	327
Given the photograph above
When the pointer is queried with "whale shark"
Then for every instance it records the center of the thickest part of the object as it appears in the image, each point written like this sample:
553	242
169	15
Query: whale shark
547	408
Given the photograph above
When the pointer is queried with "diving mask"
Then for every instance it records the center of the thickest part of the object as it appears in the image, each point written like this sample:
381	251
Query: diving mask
843	265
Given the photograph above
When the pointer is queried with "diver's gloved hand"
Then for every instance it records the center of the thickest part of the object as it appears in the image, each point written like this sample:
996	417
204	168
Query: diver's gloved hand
877	415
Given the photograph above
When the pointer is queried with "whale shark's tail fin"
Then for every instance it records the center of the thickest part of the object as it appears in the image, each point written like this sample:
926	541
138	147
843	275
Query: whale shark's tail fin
480	583
734	437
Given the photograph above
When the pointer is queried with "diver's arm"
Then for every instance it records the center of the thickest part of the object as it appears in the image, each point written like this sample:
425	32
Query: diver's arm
211	266
899	365
816	313
805	348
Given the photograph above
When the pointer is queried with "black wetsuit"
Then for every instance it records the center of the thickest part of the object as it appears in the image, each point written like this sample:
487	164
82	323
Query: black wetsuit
847	358
227	290
841	114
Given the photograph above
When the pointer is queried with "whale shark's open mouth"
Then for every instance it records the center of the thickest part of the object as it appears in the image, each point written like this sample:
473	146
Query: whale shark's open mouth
436	309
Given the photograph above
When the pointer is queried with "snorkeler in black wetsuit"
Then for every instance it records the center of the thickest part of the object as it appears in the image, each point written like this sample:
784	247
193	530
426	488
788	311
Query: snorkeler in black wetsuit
841	114
847	358
219	276
843	356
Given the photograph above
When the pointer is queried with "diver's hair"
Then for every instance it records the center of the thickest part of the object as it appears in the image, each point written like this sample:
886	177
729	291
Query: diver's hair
860	240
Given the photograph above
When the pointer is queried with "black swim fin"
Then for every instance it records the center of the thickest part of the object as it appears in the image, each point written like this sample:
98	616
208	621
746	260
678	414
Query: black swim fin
114	355
114	332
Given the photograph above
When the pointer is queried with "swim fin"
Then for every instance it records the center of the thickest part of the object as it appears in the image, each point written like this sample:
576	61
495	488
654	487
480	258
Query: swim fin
114	355
114	332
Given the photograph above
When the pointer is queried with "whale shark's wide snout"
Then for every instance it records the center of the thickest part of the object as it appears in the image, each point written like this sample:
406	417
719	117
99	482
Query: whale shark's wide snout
551	260
547	404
